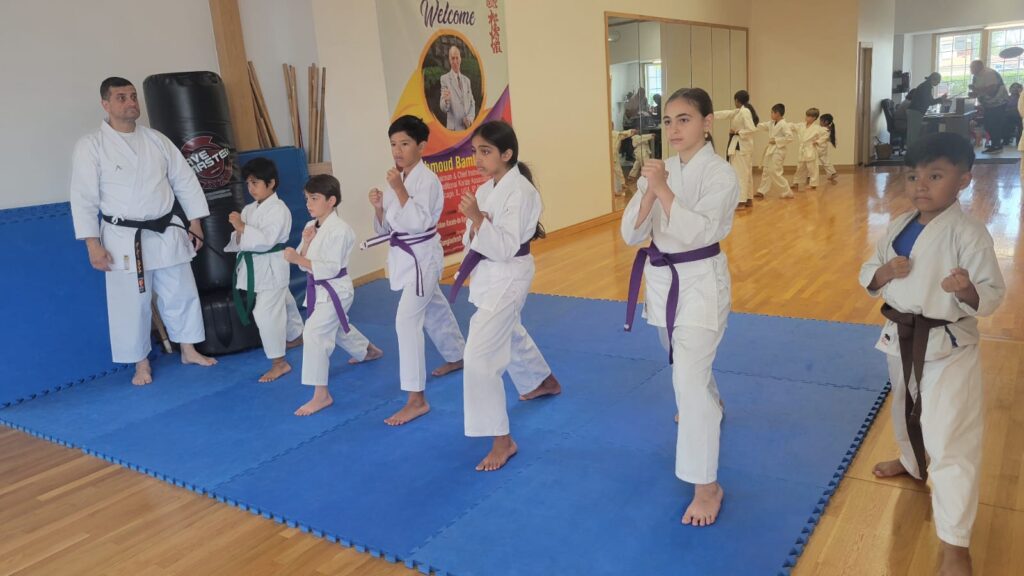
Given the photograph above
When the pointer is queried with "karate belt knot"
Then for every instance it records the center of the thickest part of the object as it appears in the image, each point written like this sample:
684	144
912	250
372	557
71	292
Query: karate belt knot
404	241
245	309
661	259
158	225
912	331
311	285
470	262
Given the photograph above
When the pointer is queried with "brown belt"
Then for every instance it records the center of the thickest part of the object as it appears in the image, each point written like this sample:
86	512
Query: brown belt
912	330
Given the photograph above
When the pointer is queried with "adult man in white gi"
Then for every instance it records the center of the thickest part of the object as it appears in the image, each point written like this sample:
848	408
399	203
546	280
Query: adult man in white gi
143	189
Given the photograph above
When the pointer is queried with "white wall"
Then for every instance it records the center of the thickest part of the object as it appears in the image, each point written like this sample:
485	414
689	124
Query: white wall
934	15
275	33
785	67
348	43
877	27
53	56
922	60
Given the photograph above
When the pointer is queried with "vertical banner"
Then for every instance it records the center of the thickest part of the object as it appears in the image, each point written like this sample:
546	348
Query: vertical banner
445	63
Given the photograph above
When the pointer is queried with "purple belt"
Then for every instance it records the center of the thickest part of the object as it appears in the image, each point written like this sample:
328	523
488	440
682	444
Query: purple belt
405	241
660	259
325	284
473	258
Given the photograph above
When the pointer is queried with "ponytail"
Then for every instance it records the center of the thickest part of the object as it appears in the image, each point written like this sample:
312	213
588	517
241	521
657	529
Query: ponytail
743	97
831	128
539	233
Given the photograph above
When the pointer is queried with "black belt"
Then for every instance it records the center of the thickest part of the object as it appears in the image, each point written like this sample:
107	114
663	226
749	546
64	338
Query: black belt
158	225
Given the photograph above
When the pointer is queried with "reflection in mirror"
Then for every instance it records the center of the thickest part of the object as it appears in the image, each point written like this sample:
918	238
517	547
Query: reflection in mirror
635	79
648	59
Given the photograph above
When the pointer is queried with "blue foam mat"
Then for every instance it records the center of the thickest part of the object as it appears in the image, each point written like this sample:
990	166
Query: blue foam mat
54	330
593	489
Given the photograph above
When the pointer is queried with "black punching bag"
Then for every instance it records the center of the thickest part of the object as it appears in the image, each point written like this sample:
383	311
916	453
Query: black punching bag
191	109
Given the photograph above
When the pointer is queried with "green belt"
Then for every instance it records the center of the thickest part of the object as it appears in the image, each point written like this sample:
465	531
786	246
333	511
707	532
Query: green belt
245	308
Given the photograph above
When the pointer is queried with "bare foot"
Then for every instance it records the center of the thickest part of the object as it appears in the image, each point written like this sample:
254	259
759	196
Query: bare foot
549	387
503	449
759	195
447	368
788	196
189	355
956	561
889	468
833	178
372	353
294	343
707	501
321	399
415	407
143	373
279	368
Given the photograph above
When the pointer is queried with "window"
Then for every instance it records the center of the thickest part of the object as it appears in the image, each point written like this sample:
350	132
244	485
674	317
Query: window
652	81
953	55
1012	69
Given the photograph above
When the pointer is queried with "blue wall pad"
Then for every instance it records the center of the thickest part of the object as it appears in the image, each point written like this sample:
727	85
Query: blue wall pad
54	330
593	489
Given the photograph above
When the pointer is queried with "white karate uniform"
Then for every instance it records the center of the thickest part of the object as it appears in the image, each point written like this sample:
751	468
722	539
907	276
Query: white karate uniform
431	310
461	104
497	339
808	138
706	193
741	147
137	177
328	253
267	224
950	388
824	147
618	178
641	152
775	157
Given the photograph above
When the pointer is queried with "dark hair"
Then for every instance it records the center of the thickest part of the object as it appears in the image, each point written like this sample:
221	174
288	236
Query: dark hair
827	118
261	169
414	126
743	97
700	100
813	113
112	82
500	134
949	145
779	109
325	185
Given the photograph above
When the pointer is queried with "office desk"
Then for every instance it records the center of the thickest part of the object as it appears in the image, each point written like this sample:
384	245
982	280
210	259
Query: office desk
949	122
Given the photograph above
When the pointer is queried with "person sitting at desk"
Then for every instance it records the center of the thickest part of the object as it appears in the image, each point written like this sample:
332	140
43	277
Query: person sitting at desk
921	100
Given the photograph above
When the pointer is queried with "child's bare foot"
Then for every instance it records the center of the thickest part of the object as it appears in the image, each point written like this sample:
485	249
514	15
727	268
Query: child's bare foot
415	407
707	501
143	373
956	561
503	449
447	368
279	368
321	399
889	468
189	355
549	387
372	353
294	343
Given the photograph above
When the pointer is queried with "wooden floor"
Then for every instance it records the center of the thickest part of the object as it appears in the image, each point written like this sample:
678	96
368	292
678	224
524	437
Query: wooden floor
65	513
